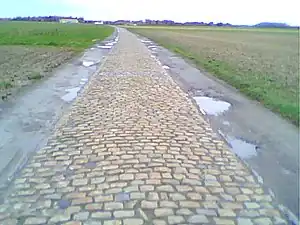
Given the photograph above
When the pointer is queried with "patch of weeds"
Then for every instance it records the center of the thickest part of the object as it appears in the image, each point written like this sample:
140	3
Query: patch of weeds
35	76
5	85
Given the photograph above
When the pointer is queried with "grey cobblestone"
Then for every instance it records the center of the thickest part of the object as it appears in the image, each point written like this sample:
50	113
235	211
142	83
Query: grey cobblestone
134	147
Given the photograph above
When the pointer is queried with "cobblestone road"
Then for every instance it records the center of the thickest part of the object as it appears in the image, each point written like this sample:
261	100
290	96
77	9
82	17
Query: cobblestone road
134	150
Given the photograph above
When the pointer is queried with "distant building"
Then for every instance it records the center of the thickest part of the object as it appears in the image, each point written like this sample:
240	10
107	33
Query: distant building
99	22
68	21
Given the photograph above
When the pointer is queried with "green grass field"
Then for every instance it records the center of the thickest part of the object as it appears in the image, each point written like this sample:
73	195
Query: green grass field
76	36
261	63
29	51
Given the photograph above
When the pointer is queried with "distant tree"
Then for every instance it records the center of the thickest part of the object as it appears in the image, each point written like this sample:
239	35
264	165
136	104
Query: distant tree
271	24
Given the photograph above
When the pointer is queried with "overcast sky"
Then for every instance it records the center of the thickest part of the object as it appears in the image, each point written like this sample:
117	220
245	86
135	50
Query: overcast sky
231	11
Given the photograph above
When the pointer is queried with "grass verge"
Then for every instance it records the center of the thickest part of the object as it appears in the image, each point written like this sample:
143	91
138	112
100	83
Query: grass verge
265	71
76	36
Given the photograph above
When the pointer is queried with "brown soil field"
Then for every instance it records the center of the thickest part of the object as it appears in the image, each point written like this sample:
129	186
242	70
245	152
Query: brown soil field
23	65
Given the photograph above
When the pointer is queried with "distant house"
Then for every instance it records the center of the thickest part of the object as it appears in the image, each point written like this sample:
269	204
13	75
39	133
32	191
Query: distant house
68	21
99	22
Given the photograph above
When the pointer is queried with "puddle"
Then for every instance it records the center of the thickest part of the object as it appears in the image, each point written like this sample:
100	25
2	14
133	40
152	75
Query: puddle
152	46
104	46
226	123
145	41
72	94
244	149
286	171
166	67
88	63
212	106
83	81
110	44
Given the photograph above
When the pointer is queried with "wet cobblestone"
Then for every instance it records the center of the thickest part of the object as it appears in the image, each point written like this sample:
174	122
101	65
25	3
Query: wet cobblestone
134	150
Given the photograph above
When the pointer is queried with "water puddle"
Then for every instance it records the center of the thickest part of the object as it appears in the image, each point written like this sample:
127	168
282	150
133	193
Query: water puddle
166	67
104	46
72	94
152	47
212	106
286	171
243	148
88	63
83	81
226	123
146	41
110	44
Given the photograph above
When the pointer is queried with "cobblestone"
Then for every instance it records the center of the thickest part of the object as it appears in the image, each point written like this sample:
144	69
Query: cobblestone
134	147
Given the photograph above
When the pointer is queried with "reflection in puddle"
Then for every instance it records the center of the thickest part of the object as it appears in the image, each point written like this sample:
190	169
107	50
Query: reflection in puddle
244	149
212	106
88	63
72	93
286	171
104	46
145	41
226	123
